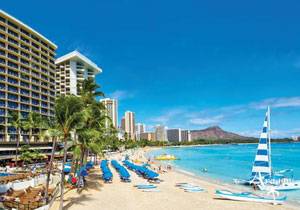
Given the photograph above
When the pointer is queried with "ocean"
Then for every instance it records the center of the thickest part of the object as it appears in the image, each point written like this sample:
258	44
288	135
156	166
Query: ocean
227	162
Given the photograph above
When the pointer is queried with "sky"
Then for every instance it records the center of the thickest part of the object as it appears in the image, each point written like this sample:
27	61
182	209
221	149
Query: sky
189	64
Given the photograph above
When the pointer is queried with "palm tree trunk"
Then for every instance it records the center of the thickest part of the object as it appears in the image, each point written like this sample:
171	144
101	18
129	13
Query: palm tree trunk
73	164
76	165
62	182
17	148
82	154
50	169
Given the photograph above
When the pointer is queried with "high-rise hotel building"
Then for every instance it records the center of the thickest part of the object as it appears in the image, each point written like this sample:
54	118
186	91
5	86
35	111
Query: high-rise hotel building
139	129
71	70
129	121
111	106
27	75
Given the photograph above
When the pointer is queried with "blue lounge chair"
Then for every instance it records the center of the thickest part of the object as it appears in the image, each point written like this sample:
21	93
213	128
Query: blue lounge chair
106	173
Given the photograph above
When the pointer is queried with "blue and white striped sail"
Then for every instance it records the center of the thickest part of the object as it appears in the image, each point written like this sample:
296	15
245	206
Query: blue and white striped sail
262	163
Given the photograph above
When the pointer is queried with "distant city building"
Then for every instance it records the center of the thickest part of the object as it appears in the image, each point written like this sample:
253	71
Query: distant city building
150	136
111	106
186	136
160	133
130	124
139	128
123	124
27	79
174	135
71	70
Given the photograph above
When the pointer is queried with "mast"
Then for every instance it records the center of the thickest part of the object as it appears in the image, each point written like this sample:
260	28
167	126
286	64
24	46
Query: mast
269	139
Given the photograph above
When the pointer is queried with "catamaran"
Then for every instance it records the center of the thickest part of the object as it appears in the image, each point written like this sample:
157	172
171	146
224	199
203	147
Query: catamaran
262	174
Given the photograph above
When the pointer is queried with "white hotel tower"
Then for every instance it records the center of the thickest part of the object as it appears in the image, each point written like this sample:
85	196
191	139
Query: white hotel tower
71	70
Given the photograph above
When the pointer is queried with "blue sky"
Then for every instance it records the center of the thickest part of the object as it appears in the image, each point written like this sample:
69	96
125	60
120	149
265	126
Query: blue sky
189	64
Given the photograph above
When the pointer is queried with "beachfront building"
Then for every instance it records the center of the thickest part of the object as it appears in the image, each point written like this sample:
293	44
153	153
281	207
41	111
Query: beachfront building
174	135
27	76
111	106
122	127
186	136
129	124
150	136
71	70
160	133
139	129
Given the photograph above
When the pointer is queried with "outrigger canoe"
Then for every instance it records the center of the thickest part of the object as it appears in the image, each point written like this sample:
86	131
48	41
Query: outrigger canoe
272	197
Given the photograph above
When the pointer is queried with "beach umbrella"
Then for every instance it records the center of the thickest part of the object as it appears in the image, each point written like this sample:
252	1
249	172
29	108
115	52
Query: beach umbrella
67	168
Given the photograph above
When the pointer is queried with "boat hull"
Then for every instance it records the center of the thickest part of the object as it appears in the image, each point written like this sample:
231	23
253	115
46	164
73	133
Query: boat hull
248	197
281	187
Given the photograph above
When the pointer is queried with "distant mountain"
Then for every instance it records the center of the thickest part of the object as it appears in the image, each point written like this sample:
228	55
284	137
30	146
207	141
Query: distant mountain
215	132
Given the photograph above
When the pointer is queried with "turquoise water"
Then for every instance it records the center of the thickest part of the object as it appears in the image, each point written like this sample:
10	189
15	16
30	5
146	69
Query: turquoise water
226	162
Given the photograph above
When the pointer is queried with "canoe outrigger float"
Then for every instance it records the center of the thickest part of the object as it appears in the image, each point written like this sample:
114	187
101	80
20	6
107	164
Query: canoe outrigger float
272	197
166	157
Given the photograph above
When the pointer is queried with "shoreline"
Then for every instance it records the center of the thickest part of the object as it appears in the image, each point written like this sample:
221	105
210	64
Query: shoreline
213	181
119	195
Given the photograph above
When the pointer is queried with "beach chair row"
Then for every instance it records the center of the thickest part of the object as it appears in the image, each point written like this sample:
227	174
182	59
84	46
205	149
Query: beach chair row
124	175
106	173
141	170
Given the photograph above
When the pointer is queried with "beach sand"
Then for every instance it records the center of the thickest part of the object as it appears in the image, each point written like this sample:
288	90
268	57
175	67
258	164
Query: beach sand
119	195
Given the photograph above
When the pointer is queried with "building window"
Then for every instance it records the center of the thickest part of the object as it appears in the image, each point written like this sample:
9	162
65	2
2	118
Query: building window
25	32
25	40
24	47
12	81
2	19
24	99
25	54
12	24
12	89
25	92
12	105
12	96
12	33
35	45
13	41
13	49
11	56
13	65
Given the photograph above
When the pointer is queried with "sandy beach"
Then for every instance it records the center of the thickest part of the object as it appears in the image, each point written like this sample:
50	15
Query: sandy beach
119	195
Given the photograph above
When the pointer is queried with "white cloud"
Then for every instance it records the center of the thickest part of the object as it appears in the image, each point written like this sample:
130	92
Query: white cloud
192	118
168	116
285	133
250	133
121	94
277	103
214	120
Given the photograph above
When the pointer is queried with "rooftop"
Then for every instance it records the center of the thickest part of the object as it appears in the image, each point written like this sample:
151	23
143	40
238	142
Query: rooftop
27	27
77	56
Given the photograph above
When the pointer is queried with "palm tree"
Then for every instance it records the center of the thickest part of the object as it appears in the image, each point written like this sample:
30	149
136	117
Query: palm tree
88	91
68	113
54	133
92	111
90	131
33	121
16	121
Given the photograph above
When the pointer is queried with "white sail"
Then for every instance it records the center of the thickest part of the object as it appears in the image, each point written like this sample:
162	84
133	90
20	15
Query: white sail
262	162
